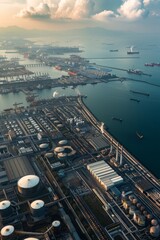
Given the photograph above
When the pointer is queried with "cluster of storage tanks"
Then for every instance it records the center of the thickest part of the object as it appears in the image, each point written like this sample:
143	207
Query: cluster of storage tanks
139	214
9	233
62	151
28	186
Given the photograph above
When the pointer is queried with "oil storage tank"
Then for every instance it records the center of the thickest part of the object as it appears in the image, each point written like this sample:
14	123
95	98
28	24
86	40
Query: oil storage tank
28	185
38	208
8	233
5	208
31	238
56	226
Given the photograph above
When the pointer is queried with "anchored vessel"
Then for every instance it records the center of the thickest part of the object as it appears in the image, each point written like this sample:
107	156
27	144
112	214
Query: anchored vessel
131	51
135	71
134	99
117	119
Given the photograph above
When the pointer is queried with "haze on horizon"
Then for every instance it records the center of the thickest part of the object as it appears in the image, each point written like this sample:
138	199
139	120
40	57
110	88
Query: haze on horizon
132	15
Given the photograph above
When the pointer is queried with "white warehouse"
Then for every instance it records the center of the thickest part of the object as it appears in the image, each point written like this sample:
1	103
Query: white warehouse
104	174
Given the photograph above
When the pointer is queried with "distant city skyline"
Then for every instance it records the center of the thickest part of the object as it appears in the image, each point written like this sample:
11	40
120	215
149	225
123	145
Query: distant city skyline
133	15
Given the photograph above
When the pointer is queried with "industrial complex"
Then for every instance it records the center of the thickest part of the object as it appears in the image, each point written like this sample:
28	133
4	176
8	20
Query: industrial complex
63	176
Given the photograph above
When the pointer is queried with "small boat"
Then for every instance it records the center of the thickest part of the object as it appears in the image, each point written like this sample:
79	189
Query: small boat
113	50
117	119
139	135
135	99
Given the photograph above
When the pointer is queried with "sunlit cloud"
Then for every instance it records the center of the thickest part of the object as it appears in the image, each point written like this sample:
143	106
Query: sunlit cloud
104	15
41	11
74	9
131	9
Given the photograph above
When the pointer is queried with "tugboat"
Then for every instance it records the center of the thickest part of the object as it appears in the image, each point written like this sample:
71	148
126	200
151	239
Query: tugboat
139	135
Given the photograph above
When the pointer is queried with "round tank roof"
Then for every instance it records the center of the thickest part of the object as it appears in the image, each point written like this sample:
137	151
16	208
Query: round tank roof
154	231
7	230
43	145
59	149
56	122
31	238
60	125
37	204
5	204
49	155
63	142
62	155
56	223
28	181
154	222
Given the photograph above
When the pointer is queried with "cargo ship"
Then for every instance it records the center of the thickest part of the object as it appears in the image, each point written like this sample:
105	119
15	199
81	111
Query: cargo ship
135	71
131	51
149	64
152	64
113	50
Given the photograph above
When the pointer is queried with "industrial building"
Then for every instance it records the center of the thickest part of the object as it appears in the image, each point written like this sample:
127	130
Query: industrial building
105	175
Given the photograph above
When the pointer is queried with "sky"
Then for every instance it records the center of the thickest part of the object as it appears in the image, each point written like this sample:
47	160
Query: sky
135	15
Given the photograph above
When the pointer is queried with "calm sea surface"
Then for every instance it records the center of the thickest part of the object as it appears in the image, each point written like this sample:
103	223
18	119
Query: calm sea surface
107	100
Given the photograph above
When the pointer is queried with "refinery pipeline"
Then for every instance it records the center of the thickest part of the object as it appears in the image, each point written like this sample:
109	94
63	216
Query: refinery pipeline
64	176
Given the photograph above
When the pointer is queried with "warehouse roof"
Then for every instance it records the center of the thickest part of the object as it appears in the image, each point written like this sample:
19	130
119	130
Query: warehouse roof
105	174
18	167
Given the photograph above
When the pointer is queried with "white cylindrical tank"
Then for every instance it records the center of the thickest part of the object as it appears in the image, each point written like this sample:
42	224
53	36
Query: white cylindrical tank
155	231
56	122
5	208
60	125
49	155
28	185
62	155
31	238
58	150
56	226
154	222
7	232
38	208
63	142
43	146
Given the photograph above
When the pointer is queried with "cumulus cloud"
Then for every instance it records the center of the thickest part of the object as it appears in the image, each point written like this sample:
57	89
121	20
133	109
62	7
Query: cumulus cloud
104	15
146	2
41	11
75	9
85	9
131	9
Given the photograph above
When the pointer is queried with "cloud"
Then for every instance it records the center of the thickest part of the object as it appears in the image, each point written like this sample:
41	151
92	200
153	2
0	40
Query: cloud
101	10
74	9
104	15
41	11
146	2
131	9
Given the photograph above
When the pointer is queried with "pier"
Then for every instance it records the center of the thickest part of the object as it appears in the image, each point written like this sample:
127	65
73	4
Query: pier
123	69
